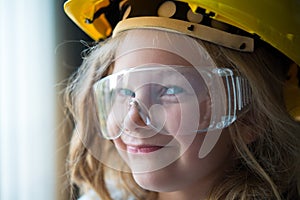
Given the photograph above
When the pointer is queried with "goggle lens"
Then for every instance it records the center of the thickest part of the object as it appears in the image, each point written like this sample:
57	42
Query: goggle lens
167	100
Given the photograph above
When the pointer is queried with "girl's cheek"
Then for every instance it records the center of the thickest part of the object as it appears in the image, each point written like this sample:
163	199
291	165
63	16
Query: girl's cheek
173	121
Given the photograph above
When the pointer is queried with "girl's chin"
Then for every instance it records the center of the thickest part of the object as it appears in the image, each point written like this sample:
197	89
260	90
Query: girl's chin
149	181
157	181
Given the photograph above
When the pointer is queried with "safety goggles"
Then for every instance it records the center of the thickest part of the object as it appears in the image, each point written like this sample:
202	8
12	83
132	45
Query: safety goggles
169	99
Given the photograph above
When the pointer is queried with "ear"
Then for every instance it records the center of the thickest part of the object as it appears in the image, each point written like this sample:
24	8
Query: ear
247	133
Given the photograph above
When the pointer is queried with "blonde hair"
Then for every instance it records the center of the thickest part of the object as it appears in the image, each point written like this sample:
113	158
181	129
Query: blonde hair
265	168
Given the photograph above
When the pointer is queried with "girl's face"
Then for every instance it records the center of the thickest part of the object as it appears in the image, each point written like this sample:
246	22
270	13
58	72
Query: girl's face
169	162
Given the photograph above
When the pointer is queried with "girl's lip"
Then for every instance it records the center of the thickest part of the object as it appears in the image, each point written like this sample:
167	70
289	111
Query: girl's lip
142	149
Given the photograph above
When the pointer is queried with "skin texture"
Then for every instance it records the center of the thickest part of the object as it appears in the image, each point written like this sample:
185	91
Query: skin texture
186	177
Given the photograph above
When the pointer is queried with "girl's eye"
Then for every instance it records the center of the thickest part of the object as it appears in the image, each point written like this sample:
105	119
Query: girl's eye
173	90
126	92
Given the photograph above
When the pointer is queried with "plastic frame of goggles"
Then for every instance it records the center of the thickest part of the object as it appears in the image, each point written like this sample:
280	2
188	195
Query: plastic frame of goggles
240	91
238	94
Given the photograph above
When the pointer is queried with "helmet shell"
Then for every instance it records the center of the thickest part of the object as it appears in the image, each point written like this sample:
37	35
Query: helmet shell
276	22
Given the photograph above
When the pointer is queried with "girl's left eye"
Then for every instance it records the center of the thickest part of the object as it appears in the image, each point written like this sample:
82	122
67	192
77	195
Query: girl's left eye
173	90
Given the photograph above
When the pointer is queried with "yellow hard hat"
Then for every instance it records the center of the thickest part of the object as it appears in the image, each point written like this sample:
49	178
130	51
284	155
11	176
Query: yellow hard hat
82	13
277	22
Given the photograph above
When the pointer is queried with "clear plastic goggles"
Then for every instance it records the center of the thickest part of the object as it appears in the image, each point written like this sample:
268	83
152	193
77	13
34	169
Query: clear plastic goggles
169	99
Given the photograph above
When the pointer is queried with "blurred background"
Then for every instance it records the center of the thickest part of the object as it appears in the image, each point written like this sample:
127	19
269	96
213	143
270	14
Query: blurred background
39	49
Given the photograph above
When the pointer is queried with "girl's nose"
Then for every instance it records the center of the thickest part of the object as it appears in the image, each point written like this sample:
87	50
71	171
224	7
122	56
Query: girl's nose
135	117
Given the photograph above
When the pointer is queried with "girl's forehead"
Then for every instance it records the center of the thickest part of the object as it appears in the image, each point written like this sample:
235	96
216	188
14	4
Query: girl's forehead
157	46
148	56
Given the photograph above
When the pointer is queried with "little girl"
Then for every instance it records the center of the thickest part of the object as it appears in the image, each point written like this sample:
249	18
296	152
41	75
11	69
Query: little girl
179	105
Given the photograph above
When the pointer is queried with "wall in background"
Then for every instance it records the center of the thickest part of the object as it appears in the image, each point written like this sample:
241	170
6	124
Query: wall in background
27	103
39	48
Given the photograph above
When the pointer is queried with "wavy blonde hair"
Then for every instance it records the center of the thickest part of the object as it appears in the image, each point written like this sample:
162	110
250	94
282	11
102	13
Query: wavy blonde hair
265	168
